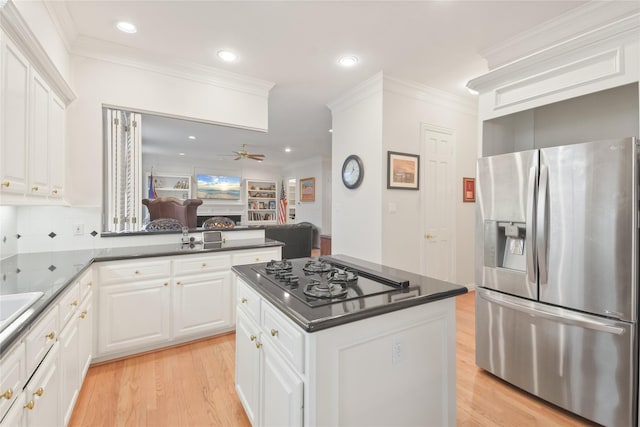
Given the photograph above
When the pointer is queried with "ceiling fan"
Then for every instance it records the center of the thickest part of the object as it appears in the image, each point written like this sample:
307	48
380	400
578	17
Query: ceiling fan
244	154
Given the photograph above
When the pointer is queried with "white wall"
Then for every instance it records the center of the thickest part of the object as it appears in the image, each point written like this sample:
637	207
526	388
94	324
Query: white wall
356	214
8	231
313	212
99	82
406	107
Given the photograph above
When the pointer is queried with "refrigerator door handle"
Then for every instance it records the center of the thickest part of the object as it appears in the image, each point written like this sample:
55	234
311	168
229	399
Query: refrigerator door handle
553	313
541	226
530	225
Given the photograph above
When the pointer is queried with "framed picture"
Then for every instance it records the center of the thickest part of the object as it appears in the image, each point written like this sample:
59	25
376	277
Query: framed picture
403	171
307	189
468	189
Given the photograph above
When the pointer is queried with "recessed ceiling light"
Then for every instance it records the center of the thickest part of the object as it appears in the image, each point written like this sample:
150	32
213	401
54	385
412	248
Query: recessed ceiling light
181	154
348	61
287	150
191	137
226	55
126	27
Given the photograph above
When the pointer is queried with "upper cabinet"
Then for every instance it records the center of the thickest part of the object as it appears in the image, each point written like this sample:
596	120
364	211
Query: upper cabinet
32	129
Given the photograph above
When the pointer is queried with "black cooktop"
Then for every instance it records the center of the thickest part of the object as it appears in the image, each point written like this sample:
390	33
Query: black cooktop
323	281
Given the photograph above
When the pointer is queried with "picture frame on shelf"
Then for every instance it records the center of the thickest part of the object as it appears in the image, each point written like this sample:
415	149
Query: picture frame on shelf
308	189
403	171
468	190
272	204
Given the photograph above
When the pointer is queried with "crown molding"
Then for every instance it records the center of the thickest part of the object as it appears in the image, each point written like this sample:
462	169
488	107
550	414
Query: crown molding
620	32
63	22
122	55
367	88
430	95
581	20
17	29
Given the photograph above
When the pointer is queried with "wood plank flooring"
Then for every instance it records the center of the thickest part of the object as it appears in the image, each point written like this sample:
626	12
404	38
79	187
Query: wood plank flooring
192	385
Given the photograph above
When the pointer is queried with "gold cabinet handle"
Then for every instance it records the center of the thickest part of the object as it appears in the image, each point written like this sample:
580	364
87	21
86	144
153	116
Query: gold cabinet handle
7	394
257	259
89	284
30	405
258	344
204	264
429	236
39	392
136	272
274	332
74	303
83	314
166	283
252	337
179	283
6	184
243	300
54	191
34	188
51	335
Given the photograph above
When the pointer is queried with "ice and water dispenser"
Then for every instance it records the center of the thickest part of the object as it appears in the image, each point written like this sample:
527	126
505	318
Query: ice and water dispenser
505	245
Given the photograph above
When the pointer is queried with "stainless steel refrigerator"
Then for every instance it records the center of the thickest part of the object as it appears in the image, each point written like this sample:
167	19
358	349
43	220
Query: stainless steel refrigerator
557	275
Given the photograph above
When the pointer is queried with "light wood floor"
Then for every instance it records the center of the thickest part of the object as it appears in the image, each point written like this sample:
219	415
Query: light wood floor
192	385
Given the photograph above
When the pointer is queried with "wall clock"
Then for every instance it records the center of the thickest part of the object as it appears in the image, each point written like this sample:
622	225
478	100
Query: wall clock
352	171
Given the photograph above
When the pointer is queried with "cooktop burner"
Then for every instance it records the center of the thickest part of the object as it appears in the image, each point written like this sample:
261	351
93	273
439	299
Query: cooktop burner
319	282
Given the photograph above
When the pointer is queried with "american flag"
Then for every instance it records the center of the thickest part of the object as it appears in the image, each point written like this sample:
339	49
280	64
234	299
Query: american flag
282	206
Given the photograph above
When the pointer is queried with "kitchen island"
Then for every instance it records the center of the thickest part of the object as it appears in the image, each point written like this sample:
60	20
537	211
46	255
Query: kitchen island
375	355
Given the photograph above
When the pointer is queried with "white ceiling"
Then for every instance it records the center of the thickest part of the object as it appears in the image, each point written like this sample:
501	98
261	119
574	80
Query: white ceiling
297	44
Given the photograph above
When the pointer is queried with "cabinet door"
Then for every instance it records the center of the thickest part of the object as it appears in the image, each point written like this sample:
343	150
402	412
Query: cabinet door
39	141
56	147
133	315
85	330
16	417
43	392
280	392
15	110
247	366
201	303
69	340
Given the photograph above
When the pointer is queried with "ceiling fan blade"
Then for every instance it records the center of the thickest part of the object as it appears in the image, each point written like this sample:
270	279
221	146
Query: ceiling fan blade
255	157
255	154
238	158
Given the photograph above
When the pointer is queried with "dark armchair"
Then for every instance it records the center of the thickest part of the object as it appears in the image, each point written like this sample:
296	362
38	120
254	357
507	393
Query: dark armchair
184	211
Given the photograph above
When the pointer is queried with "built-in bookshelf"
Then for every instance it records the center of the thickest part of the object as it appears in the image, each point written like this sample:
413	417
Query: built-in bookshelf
178	186
262	201
291	201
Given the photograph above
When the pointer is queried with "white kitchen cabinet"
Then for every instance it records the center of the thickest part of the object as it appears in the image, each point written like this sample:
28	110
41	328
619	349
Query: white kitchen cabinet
14	131
56	147
16	416
38	146
269	387
85	338
40	339
69	341
201	303
247	365
12	377
133	315
252	256
43	392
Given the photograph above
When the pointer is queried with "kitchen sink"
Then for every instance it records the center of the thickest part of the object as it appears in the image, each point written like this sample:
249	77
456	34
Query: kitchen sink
12	306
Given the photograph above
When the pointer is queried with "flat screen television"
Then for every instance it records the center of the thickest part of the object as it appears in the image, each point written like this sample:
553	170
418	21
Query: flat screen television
218	187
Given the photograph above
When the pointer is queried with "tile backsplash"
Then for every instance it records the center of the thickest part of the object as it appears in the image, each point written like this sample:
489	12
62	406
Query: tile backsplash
8	231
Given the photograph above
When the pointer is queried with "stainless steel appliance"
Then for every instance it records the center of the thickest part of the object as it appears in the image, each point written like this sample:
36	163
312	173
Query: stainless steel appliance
557	270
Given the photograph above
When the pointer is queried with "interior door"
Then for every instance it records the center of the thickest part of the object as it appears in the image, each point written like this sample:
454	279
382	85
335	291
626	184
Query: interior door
438	258
589	216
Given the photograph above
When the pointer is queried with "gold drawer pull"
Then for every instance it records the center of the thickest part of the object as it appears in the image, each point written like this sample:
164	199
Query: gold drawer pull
34	188
6	184
83	314
257	259
243	300
178	283
136	272
204	264
252	337
51	335
74	303
90	284
166	283
55	191
258	344
7	394
274	332
39	392
30	405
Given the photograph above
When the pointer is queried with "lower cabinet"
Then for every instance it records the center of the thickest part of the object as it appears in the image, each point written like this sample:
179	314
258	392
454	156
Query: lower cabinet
42	393
69	341
85	336
268	385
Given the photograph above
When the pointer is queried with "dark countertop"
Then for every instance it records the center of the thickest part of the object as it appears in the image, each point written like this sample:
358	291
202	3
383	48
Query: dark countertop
421	290
52	272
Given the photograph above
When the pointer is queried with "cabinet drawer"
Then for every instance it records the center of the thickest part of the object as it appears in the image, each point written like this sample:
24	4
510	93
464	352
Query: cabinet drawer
86	283
40	339
133	271
201	264
254	256
11	377
69	304
283	335
248	301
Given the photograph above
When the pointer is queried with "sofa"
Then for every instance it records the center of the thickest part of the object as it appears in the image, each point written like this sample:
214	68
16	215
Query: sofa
298	238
